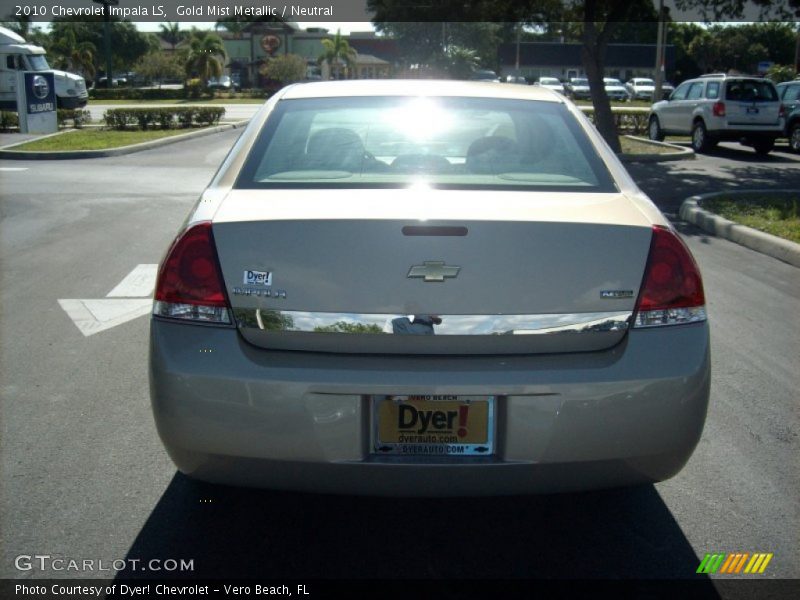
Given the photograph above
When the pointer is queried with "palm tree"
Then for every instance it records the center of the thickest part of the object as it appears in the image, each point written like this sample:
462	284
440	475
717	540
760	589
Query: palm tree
172	34
20	25
460	62
206	55
337	53
71	55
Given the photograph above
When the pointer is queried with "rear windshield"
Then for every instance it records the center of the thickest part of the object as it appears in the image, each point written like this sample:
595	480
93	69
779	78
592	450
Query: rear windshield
460	143
751	90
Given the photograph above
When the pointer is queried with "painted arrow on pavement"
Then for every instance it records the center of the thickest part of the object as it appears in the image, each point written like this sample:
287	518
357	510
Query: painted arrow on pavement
131	298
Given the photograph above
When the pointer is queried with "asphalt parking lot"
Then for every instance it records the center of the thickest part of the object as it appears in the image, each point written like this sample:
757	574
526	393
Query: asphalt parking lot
84	474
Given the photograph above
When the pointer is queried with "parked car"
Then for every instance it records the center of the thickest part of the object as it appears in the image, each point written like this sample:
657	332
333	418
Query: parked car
789	93
120	81
551	83
640	88
578	88
666	90
427	288
484	75
224	83
721	107
516	79
615	90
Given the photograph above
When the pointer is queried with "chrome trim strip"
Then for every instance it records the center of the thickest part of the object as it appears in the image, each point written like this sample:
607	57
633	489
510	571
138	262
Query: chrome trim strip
370	323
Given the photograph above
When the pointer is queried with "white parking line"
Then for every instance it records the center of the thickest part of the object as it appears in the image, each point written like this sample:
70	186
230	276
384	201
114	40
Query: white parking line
95	315
13	168
139	283
130	299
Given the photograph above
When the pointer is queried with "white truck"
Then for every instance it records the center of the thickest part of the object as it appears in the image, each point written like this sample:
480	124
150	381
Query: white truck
17	55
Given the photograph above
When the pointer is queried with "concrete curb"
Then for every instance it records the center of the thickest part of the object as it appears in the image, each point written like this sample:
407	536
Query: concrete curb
6	153
680	153
771	245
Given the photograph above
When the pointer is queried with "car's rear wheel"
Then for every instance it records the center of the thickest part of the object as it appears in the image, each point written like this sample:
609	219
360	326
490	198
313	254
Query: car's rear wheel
654	130
701	141
763	147
794	137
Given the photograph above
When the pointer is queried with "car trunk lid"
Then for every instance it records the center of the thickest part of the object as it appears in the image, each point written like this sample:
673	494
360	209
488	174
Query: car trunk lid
330	270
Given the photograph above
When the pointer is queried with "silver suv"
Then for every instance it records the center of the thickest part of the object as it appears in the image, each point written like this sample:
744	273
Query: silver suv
715	108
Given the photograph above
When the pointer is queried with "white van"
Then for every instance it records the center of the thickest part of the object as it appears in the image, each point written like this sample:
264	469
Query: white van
17	55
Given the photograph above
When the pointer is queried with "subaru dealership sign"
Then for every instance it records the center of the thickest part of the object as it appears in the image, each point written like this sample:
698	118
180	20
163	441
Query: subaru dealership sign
37	104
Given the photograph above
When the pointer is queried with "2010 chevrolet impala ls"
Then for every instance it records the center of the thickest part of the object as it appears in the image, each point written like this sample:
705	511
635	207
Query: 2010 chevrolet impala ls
427	288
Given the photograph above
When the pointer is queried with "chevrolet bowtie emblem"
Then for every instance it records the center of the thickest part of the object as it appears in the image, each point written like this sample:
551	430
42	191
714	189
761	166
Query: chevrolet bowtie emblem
433	270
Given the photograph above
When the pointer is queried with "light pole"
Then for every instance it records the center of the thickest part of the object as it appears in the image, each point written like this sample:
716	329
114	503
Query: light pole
107	34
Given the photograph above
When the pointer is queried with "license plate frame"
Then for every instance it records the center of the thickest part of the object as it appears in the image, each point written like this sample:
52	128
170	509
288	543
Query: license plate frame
752	110
432	425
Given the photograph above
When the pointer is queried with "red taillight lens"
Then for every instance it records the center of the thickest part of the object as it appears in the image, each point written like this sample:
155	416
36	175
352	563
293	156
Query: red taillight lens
782	111
672	290
190	284
718	109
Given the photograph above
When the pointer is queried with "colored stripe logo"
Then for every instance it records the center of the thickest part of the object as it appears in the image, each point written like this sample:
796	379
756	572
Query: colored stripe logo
735	563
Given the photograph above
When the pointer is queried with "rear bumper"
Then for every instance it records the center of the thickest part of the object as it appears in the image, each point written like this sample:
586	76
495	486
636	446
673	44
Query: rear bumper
753	133
228	412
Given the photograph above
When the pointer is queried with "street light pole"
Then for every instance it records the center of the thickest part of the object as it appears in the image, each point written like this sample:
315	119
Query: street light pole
107	35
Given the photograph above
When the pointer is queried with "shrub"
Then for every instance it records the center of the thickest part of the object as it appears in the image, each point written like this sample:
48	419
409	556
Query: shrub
78	117
8	120
193	88
627	120
194	91
165	118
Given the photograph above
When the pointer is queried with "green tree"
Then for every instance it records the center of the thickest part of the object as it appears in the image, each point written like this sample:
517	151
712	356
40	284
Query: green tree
127	43
69	54
19	25
286	69
460	62
681	35
159	65
428	43
338	55
172	34
781	73
206	55
345	327
597	22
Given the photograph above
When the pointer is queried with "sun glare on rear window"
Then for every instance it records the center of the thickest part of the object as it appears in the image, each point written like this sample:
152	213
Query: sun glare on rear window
444	142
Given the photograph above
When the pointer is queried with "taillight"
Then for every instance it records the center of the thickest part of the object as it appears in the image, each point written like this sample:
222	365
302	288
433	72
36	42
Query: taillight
782	111
189	282
672	290
718	110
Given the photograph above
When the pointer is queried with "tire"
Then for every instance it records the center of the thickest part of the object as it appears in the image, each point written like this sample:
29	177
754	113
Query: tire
654	131
794	137
763	147
701	142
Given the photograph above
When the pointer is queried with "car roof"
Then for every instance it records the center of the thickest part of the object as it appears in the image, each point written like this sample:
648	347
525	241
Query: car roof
416	87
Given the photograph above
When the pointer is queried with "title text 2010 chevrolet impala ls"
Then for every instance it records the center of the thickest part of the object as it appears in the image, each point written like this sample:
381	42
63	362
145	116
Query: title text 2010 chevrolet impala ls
427	288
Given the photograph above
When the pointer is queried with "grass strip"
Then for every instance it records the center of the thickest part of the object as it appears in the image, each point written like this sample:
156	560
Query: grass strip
773	214
97	139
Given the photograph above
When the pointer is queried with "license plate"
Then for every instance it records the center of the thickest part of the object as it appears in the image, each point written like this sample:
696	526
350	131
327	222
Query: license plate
752	110
433	425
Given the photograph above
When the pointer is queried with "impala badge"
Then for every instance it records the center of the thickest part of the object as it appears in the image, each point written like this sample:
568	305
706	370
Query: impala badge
432	270
616	294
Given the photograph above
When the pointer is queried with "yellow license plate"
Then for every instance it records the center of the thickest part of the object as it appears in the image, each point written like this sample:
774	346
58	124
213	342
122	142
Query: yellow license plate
433	425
